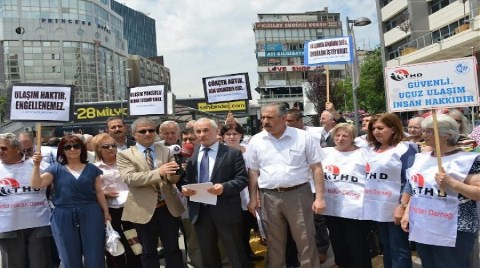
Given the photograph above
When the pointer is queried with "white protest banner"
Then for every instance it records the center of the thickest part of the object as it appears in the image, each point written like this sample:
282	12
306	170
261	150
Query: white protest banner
225	88
328	51
431	85
41	102
147	100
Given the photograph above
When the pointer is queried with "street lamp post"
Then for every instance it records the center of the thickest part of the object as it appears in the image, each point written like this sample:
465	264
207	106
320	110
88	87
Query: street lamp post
362	21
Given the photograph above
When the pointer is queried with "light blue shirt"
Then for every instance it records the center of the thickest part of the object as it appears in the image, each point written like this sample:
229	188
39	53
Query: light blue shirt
142	148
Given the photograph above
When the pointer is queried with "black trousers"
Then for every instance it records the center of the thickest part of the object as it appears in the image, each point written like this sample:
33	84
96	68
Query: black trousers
165	226
349	242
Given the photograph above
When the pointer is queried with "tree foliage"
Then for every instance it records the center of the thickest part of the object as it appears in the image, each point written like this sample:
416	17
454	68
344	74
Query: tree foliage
371	93
3	107
317	93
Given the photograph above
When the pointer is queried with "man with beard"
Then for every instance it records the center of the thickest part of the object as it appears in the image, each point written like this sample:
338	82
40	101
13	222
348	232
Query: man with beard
116	128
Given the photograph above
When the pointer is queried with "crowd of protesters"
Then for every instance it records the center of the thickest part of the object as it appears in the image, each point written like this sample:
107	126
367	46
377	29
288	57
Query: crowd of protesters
302	188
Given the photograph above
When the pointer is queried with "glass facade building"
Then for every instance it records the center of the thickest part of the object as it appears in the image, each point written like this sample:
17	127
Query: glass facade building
139	30
73	42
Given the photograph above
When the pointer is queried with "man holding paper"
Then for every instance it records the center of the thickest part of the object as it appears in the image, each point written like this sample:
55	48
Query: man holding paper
224	168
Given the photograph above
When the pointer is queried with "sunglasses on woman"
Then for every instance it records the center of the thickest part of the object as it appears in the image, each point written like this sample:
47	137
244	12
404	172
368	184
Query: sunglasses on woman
69	147
109	146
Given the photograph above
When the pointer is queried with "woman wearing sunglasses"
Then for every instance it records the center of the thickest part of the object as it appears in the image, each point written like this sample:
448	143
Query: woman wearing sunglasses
78	219
115	191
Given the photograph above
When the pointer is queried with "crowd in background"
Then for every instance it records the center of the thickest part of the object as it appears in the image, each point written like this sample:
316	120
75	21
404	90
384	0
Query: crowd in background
301	188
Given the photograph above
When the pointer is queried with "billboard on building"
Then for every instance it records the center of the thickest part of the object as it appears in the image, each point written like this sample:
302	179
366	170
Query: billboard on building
230	87
431	85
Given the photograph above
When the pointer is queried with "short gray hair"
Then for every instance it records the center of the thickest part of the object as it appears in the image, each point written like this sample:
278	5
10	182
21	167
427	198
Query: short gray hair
141	120
212	123
169	123
446	126
12	140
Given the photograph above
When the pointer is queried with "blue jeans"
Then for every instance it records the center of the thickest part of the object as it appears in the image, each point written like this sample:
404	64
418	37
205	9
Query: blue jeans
396	248
439	257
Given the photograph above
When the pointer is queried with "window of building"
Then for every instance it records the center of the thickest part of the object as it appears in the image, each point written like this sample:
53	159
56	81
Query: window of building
396	20
436	5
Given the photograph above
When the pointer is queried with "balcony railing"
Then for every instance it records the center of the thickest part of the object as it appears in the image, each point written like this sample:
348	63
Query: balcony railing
436	36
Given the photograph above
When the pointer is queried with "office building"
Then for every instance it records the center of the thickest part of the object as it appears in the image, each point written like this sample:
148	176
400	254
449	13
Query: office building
279	40
138	29
75	42
424	31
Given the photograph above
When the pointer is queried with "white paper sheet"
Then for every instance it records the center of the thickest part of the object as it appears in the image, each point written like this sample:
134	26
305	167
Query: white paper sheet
202	196
121	198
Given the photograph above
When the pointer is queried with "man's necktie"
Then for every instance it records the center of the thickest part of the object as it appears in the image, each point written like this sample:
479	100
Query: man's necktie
149	158
204	167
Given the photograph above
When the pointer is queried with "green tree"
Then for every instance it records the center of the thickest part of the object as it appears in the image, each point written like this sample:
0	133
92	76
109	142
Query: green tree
317	93
371	93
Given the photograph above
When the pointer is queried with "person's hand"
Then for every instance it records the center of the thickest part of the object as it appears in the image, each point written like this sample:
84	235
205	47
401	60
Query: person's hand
404	222
319	205
442	178
252	206
398	214
37	158
107	216
188	192
111	194
168	168
217	189
329	107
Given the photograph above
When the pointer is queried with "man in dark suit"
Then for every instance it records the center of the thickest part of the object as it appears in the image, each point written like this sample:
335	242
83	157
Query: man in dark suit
152	203
225	168
117	129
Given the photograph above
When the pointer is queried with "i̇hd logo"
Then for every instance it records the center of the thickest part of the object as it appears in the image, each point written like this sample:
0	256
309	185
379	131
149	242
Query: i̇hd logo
7	185
400	74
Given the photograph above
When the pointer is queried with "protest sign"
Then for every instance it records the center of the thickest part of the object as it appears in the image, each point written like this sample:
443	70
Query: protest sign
40	102
226	88
432	85
147	100
328	51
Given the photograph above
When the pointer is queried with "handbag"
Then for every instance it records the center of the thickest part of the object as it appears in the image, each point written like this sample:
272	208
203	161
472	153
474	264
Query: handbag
112	241
132	239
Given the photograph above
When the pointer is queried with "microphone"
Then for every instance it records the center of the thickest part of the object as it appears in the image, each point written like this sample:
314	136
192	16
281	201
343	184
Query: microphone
187	150
175	151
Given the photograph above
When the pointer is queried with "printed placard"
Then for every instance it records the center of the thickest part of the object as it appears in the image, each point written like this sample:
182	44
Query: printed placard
147	100
328	51
226	88
440	84
40	102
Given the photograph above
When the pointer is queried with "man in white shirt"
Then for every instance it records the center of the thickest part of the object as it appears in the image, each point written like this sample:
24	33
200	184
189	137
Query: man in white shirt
280	161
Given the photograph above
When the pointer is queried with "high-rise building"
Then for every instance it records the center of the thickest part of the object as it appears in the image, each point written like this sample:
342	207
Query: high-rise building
279	40
138	29
424	31
75	42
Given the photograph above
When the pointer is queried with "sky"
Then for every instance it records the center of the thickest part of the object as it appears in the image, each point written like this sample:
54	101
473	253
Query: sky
210	37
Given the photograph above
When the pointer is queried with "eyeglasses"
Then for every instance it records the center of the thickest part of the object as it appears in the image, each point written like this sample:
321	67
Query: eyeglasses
69	147
3	149
144	131
109	146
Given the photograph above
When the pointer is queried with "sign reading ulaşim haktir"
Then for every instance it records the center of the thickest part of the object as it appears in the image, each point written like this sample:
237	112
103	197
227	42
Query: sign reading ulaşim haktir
328	51
230	87
440	84
147	100
41	102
